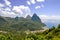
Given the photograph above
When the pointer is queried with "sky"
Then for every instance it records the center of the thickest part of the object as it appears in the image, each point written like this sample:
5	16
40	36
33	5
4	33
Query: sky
47	10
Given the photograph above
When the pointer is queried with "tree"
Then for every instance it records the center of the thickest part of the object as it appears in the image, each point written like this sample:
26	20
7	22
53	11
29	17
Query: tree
59	26
2	37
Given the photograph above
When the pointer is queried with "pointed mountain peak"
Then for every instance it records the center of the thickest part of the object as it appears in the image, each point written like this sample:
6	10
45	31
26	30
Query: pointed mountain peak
34	14
28	17
36	18
16	18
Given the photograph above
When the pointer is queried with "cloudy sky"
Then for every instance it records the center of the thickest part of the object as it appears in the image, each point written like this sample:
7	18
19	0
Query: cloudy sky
45	9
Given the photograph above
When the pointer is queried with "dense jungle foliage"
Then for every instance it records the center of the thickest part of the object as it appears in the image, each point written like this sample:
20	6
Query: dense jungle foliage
50	34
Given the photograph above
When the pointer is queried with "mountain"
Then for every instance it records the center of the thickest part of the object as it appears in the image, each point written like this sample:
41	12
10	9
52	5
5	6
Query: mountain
50	24
28	17
21	23
2	19
36	18
17	18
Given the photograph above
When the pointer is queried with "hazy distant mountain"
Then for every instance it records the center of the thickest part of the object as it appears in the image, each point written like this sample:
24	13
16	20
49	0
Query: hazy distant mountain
49	24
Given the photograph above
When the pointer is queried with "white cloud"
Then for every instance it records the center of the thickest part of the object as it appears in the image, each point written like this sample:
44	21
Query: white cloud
28	2
52	18
7	9
33	1
37	7
8	14
15	11
40	0
8	3
1	5
22	10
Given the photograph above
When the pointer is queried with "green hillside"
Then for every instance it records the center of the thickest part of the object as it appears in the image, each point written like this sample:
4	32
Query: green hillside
21	23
